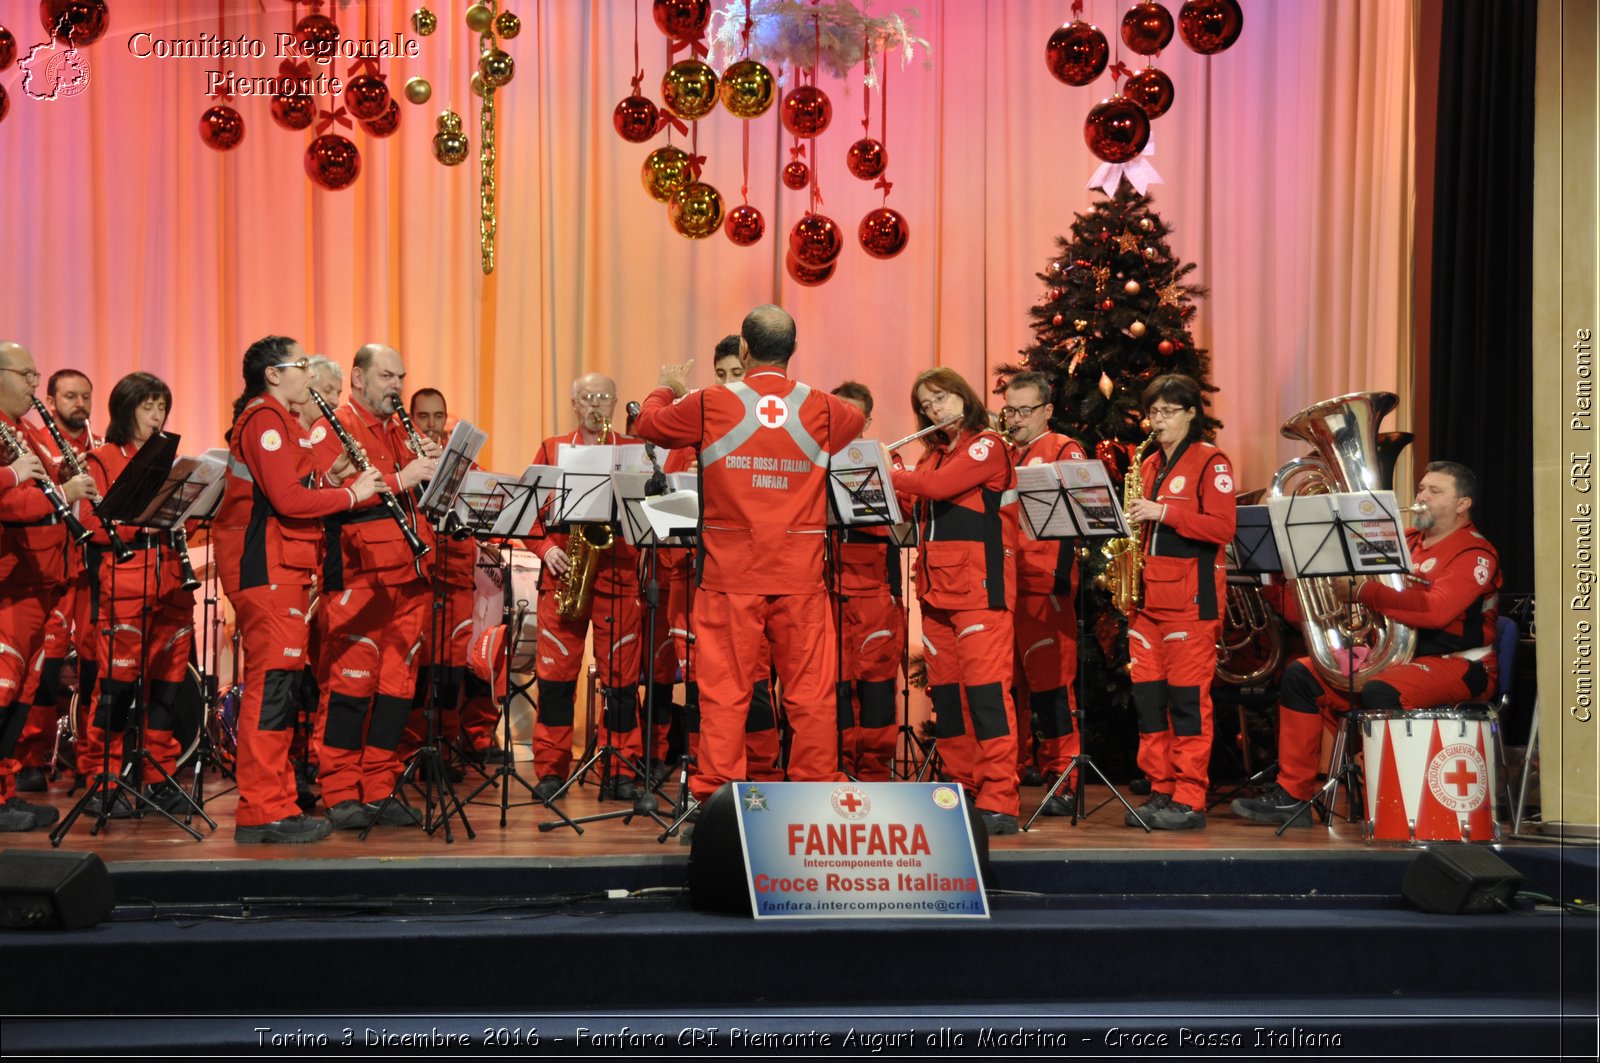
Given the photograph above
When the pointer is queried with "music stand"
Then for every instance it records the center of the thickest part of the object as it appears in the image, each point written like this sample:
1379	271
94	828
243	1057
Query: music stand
1066	500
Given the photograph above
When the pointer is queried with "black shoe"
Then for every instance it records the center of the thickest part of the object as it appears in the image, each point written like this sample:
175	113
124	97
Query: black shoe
349	815
42	815
618	788
292	831
1156	802
1062	804
13	821
659	771
548	788
1176	815
394	814
1277	805
1030	777
998	822
169	797
114	802
31	781
1139	785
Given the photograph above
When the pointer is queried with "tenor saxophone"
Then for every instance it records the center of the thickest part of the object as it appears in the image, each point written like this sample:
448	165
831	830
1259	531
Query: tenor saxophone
1124	571
584	547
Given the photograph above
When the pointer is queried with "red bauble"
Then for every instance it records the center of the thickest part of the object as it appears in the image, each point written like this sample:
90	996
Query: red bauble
84	21
221	127
1147	28
682	18
1151	90
1165	347
5	103
796	175
744	225
815	240
636	119
1077	53
1058	320
809	276
386	123
867	159
367	97
1114	456
1209	26
317	34
293	110
8	47
1117	129
806	111
333	162
1106	304
883	233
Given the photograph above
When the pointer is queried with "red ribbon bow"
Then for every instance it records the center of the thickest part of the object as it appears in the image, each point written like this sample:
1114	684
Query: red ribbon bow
328	118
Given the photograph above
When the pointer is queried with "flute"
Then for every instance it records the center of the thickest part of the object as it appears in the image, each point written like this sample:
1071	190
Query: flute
358	458
914	436
120	550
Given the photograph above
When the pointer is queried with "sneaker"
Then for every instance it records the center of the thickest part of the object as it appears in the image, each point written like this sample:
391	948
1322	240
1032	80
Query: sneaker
394	814
998	822
618	788
31	781
113	803
1030	777
1062	804
1175	815
549	787
1277	805
1155	803
1139	786
43	815
349	815
13	821
169	797
292	830
659	771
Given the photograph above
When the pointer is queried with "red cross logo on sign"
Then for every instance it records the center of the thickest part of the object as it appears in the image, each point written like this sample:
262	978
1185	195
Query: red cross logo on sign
850	802
1458	777
773	411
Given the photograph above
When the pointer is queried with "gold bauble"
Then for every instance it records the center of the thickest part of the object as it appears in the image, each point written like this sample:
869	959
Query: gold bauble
450	148
1136	329
507	25
497	68
665	171
479	18
449	122
689	89
747	89
418	90
1106	386
424	22
1132	287
696	210
478	87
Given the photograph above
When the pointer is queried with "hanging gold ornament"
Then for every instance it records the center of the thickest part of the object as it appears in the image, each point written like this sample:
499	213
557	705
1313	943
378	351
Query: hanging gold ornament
507	25
478	87
747	89
449	143
1132	288
479	18
418	90
497	68
1146	224
1170	294
695	210
665	171
689	89
1102	274
1136	329
1106	386
1079	323
424	22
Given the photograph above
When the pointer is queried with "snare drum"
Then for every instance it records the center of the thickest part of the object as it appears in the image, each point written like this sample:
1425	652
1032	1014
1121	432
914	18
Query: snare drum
1430	776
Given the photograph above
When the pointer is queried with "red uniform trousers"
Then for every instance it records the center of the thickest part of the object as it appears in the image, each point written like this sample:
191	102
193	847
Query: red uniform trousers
275	637
617	654
1307	705
42	692
23	613
446	668
165	658
874	639
1047	655
1172	663
730	630
969	655
369	677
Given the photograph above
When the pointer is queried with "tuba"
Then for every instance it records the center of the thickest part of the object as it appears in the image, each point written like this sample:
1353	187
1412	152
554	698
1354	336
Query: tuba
584	547
1250	643
1124	571
1344	433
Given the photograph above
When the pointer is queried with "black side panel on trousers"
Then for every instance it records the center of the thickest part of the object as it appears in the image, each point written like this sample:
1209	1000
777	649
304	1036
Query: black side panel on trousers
947	721
388	721
1185	703
987	703
347	721
1150	702
877	702
280	698
556	701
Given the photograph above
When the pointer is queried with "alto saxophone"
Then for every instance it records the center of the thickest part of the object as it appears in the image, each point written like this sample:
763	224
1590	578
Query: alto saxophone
1123	575
584	547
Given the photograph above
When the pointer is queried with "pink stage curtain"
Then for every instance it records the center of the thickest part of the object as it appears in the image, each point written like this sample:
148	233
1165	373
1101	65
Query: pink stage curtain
1288	162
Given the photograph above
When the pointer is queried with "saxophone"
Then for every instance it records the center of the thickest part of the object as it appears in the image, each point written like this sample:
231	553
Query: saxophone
584	548
1124	554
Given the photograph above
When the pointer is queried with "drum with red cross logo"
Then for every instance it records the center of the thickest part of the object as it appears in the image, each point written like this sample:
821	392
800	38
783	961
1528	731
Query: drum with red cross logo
1430	776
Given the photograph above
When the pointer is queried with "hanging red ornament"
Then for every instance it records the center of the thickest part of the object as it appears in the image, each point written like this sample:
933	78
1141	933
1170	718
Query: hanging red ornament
221	127
386	123
681	19
1076	53
636	119
796	175
806	111
1107	304
318	36
809	276
1165	347
333	162
8	48
76	22
867	159
815	240
293	110
367	97
1147	28
1152	90
1117	129
1209	26
745	225
883	233
1058	320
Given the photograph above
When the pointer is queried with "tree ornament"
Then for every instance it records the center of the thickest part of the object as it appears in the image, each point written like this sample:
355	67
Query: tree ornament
1055	269
5	103
744	225
367	97
1106	386
386	123
1165	347
1209	26
815	240
665	170
480	88
221	127
450	145
695	210
294	111
85	20
883	233
1136	329
806	111
1132	288
867	159
1076	53
507	26
418	90
796	175
747	89
681	19
318	36
808	276
424	22
1127	242
1102	274
1170	294
1080	324
1152	90
1113	455
1107	304
8	48
689	89
497	68
1059	320
1146	224
1147	28
1117	129
333	162
636	119
479	18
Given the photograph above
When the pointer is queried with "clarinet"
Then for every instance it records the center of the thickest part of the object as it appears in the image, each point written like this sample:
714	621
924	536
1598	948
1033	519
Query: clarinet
358	458
120	550
63	509
413	438
178	539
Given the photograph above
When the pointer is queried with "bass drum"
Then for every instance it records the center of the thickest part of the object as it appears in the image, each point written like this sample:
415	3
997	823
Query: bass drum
190	710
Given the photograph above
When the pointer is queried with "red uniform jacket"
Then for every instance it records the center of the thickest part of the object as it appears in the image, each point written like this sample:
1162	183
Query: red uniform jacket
618	571
1185	575
764	443
869	564
968	523
33	543
1460	603
269	528
367	545
1045	566
140	575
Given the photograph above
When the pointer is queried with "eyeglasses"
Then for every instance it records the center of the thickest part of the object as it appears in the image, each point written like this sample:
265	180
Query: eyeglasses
298	364
594	398
1165	411
30	375
928	404
1016	413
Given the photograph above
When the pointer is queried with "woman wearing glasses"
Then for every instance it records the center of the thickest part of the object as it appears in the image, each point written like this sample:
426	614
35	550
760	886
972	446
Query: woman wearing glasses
269	547
967	584
1189	512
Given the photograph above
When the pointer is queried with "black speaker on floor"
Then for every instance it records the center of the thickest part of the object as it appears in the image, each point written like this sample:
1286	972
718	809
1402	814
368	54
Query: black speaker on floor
53	891
1460	879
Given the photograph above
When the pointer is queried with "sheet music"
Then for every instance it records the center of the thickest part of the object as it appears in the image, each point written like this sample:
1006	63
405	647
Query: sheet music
460	451
1369	539
1039	496
1092	496
497	504
639	520
858	481
585	495
189	485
